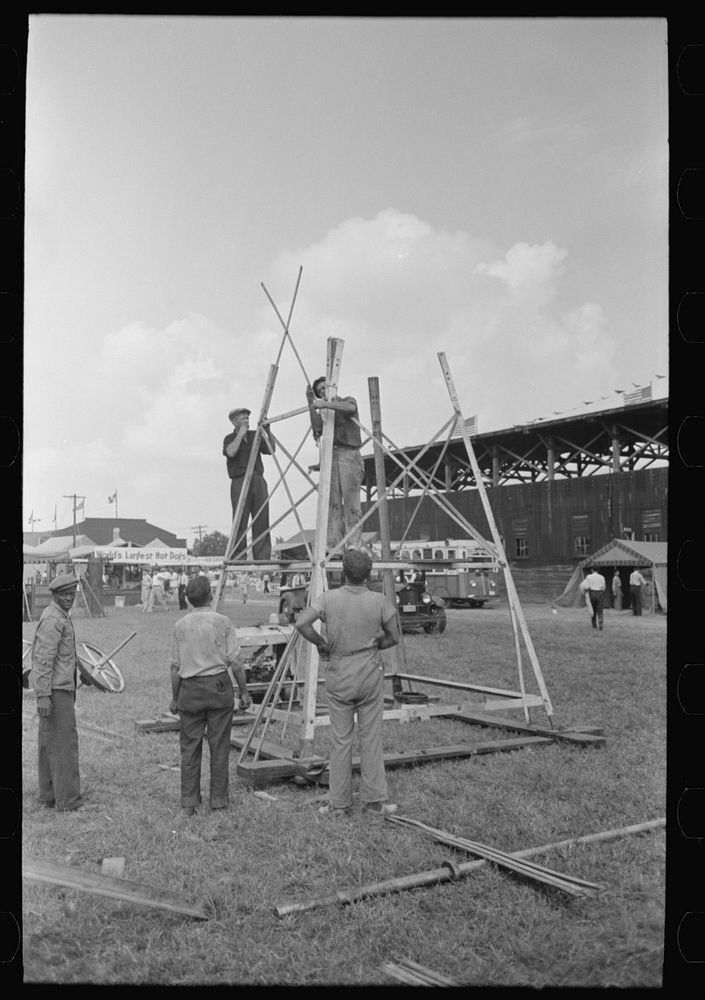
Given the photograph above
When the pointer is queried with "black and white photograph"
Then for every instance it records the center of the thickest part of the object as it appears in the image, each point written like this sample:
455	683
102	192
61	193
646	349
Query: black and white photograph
345	466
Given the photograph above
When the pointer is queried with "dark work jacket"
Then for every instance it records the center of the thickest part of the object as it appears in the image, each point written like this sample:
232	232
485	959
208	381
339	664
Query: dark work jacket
237	466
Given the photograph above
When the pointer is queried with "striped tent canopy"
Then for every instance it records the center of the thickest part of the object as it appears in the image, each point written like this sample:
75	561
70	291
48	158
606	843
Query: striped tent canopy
619	553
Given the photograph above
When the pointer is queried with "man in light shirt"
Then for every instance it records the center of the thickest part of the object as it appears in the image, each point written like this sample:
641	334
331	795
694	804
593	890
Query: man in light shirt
204	647
594	587
636	582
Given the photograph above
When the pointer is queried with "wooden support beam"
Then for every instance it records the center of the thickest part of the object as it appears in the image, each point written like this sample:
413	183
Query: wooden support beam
54	873
277	767
580	739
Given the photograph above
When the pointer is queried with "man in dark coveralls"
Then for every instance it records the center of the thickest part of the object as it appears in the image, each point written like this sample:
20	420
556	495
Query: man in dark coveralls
236	448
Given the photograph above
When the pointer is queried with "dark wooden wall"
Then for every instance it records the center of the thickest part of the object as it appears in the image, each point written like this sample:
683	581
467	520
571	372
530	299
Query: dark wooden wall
609	503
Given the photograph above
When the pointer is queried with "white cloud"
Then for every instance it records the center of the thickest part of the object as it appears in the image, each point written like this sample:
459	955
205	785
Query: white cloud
149	411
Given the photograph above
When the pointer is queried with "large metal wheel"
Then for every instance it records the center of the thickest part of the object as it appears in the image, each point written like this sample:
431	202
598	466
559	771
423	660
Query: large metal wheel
106	677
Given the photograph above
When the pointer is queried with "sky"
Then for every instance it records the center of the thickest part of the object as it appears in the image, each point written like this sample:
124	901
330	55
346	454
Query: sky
493	189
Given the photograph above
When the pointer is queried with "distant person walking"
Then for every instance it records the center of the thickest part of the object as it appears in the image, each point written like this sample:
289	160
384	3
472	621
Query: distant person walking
636	582
146	585
204	647
594	587
183	583
156	594
617	591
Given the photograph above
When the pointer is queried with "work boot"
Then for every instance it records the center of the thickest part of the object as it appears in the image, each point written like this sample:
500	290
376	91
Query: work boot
328	810
382	808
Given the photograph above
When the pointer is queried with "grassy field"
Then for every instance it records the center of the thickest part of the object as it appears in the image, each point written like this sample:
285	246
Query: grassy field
491	928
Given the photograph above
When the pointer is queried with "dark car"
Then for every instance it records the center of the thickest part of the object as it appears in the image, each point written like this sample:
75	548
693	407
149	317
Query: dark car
417	608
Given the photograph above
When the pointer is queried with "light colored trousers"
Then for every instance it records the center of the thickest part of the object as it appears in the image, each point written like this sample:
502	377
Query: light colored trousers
355	689
347	473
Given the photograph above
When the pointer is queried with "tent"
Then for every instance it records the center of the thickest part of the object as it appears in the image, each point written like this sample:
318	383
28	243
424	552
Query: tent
619	552
57	549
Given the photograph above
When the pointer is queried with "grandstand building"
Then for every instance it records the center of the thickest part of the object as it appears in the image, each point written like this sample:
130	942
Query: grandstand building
559	490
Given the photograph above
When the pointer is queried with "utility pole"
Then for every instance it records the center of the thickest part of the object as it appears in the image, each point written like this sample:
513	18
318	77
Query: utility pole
75	498
200	528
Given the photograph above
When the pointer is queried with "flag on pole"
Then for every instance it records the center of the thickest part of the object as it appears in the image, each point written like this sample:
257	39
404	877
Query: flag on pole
31	516
470	426
638	396
80	506
113	498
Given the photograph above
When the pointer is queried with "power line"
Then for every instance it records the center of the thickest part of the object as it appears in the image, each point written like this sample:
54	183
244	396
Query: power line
200	528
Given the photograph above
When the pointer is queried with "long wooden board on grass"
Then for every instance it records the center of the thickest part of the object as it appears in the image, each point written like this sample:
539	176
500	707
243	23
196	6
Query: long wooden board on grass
581	739
55	873
277	762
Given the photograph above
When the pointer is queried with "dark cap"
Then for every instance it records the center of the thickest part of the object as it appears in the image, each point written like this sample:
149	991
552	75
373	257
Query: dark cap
62	582
238	409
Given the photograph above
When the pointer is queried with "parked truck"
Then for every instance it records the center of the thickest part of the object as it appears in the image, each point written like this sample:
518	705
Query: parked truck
462	588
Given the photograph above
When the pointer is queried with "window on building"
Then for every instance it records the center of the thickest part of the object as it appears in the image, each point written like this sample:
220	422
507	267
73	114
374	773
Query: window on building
451	553
651	525
427	554
520	530
438	554
581	545
417	554
580	531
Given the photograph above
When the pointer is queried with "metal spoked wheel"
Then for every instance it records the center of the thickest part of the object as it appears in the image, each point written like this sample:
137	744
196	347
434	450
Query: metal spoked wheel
106	677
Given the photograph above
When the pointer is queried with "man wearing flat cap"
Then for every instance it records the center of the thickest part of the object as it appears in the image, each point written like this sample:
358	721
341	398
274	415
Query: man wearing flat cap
54	682
237	447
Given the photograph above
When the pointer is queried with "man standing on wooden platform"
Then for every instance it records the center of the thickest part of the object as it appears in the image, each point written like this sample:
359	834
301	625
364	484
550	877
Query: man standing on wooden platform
359	622
236	448
54	682
347	470
203	648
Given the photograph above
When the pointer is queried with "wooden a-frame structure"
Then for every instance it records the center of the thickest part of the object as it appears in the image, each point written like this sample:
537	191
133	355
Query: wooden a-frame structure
297	669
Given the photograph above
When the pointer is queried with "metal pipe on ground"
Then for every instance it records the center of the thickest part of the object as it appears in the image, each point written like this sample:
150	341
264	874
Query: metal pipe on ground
452	871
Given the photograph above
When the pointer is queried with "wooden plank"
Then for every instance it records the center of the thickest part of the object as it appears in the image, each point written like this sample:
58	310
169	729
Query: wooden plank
55	873
532	701
277	766
459	685
582	739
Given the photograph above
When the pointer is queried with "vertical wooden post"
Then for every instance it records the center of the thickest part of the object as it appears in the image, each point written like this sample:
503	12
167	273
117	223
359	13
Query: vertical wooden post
387	574
319	582
495	465
615	450
550	459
